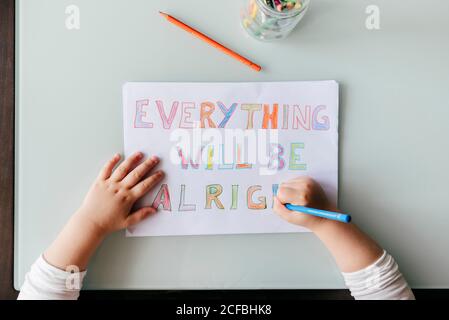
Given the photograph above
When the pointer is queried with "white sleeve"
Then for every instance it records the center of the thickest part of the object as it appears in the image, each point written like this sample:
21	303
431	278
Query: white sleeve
46	282
380	281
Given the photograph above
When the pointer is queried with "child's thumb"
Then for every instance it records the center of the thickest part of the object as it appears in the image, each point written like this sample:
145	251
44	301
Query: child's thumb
138	216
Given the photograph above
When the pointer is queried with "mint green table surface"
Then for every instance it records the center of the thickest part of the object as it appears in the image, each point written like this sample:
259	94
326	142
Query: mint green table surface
394	132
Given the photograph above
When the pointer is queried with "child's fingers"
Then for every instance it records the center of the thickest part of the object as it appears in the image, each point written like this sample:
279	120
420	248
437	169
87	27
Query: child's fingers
138	216
106	171
294	217
126	166
146	185
301	183
282	211
291	195
138	173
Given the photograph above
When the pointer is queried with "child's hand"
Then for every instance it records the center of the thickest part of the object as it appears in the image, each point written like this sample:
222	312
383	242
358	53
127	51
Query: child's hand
106	208
303	191
109	201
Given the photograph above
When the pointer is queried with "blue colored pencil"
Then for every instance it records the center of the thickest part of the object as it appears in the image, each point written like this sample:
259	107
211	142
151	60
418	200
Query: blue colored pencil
346	218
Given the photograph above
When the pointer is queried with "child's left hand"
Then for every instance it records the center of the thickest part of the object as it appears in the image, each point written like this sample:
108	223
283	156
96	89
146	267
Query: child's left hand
106	208
110	199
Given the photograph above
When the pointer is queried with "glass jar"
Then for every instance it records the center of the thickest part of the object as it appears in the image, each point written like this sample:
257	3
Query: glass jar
265	23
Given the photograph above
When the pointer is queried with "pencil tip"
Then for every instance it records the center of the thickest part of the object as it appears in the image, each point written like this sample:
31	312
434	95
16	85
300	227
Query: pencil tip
163	14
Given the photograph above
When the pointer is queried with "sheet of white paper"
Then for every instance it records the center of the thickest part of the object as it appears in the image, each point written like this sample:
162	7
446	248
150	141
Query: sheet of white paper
217	192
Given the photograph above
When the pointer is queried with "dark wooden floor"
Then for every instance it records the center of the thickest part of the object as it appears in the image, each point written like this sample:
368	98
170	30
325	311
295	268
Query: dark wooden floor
7	20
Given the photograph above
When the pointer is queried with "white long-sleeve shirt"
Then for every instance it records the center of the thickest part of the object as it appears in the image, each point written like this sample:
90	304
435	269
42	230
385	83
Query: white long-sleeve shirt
380	281
46	282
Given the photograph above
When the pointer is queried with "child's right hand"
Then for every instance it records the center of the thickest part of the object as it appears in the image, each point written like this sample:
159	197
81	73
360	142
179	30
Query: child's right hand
302	191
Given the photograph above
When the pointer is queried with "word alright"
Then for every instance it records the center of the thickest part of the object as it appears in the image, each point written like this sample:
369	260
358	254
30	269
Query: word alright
254	200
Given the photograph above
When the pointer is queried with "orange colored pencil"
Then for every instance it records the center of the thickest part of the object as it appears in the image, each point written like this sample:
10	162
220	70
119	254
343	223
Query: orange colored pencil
211	42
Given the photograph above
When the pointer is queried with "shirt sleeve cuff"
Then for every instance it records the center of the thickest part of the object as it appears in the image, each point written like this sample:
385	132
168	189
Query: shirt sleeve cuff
381	280
45	281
